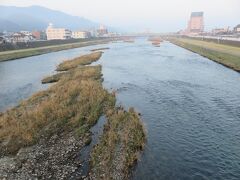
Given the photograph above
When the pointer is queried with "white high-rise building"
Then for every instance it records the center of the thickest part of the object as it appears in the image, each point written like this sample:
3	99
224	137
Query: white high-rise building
57	33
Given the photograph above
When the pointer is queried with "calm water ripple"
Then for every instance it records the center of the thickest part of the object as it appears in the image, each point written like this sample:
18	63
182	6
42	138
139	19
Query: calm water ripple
190	105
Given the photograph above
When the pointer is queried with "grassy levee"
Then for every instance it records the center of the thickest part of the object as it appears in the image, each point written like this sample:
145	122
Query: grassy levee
119	147
226	55
16	54
73	105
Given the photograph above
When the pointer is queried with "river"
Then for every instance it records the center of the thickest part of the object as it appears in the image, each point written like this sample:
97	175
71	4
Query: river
190	105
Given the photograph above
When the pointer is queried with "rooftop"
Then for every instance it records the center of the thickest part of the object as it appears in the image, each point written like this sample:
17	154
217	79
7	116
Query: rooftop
196	14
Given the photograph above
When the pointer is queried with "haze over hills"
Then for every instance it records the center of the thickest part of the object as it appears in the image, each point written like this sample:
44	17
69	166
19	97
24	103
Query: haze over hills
37	18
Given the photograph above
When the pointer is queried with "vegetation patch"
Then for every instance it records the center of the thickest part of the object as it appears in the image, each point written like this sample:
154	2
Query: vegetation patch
82	60
76	100
53	78
57	122
99	49
223	54
122	140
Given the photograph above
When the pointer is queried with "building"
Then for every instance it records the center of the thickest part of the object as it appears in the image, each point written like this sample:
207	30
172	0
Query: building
221	31
57	33
196	23
21	37
102	31
93	32
237	29
39	35
113	34
2	40
27	33
7	37
81	34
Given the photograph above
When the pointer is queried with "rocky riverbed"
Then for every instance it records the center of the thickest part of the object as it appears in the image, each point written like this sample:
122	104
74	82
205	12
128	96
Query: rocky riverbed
50	158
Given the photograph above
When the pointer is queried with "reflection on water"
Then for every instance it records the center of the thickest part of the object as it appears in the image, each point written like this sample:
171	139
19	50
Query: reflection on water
190	105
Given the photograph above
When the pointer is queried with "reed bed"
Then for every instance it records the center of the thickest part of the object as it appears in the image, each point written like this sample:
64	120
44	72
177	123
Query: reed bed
118	151
73	105
82	60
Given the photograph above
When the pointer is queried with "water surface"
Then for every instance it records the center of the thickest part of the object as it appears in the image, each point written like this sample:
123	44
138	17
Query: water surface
22	77
190	105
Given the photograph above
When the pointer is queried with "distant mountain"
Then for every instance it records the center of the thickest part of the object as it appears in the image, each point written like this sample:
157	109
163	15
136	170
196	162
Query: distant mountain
37	18
8	25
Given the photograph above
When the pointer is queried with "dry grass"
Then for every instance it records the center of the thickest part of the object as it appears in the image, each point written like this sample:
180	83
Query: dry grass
226	55
53	78
99	49
82	60
84	72
155	39
74	104
120	144
77	100
155	43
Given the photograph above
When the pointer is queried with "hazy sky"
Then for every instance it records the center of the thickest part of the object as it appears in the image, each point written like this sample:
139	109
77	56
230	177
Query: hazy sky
156	15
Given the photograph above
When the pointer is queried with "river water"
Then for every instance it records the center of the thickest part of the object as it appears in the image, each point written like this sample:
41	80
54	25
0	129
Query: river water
21	78
190	105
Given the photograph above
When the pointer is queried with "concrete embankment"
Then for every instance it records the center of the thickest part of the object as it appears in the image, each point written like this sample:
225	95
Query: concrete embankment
226	55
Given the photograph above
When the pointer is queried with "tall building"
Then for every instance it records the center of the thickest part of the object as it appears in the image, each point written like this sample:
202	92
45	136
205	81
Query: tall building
196	23
102	31
57	33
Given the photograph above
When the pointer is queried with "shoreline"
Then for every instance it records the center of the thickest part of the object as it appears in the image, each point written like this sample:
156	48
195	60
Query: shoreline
44	135
215	54
22	53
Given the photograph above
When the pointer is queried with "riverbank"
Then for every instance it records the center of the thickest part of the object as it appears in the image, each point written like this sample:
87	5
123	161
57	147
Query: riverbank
226	55
43	136
16	54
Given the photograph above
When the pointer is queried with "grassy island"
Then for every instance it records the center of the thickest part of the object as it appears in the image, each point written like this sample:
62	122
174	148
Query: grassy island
53	125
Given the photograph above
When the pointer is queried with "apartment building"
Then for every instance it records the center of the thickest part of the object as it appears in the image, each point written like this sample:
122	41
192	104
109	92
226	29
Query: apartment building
39	35
196	23
102	31
81	34
57	33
